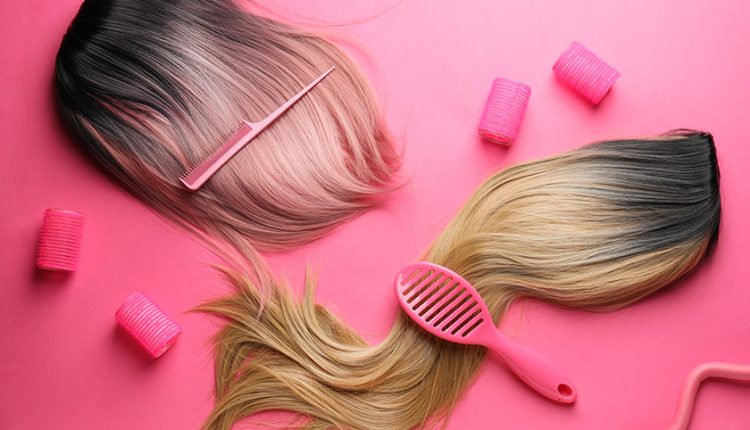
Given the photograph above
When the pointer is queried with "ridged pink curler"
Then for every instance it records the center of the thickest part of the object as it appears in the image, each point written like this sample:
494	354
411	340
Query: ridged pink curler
447	305
60	240
585	72
728	371
504	111
147	324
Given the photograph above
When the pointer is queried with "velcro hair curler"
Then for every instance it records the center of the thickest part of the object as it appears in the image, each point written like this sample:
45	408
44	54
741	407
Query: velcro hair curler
585	72
147	324
60	240
504	111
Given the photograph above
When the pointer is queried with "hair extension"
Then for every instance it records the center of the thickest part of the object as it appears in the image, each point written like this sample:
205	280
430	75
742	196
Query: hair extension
150	88
596	228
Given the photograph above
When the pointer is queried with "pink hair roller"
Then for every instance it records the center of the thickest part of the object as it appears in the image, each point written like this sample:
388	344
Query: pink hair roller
585	72
504	111
147	324
60	240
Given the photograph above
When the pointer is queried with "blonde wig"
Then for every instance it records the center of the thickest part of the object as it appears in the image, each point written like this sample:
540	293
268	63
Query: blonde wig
151	87
596	228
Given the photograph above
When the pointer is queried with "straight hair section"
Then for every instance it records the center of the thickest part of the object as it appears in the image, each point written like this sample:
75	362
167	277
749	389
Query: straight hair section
152	87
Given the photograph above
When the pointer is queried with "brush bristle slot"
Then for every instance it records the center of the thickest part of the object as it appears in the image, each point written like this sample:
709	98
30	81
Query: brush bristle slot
442	293
425	285
465	321
472	328
459	313
416	281
451	305
435	287
451	311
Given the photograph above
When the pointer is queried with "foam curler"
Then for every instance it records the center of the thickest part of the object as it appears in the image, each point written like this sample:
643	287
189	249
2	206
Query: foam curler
504	111
60	240
585	72
147	324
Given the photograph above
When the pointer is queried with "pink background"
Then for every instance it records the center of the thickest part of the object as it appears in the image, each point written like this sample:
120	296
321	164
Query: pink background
684	64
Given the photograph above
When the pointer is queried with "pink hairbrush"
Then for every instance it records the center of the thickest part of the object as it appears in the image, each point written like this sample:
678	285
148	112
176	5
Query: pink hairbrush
728	371
446	305
198	175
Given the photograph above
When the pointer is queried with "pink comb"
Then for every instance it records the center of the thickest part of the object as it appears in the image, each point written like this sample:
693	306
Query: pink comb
198	175
446	305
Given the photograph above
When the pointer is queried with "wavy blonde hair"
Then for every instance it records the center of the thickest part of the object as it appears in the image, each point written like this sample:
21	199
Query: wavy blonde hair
151	87
596	228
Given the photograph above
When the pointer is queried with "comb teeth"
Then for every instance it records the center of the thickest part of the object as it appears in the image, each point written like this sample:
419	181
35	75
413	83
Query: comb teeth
186	173
441	301
192	177
223	138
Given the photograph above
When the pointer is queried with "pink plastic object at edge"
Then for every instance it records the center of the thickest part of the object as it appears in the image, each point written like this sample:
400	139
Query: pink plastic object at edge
504	110
729	371
147	324
446	305
198	175
585	72
60	240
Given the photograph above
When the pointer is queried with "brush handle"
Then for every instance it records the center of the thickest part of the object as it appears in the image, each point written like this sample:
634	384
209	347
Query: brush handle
533	368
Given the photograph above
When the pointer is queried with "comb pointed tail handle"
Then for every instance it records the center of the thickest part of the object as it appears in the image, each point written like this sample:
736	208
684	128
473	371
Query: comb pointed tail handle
536	370
265	122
